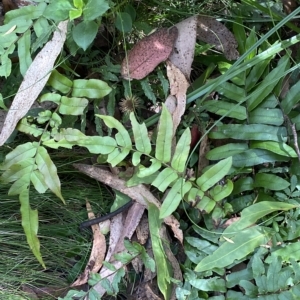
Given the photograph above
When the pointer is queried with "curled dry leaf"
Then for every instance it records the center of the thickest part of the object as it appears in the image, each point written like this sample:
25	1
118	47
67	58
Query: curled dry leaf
215	33
178	88
182	55
34	81
143	58
97	254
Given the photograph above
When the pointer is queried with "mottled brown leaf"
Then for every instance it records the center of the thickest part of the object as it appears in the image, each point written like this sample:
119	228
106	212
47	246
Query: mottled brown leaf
215	33
149	52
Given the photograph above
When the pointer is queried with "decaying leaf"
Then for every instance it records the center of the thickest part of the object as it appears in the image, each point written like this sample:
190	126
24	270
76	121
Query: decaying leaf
178	88
143	58
97	254
182	55
34	81
213	32
138	193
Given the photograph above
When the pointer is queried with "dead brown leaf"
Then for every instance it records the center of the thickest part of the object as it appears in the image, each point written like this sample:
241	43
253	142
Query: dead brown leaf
213	32
34	81
149	52
97	254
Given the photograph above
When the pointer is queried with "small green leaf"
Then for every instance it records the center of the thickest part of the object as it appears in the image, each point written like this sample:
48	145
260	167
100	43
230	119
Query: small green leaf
50	97
164	136
225	151
20	185
275	147
164	179
175	195
140	132
49	171
145	84
219	192
92	88
270	181
231	91
291	98
123	22
24	52
30	224
95	9
163	267
59	82
288	252
98	144
211	284
131	11
117	156
182	151
38	181
84	33
58	10
242	184
147	171
206	205
214	174
72	106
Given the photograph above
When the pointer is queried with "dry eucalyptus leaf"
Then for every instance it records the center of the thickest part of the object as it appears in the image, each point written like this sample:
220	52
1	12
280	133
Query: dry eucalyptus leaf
34	81
215	33
97	254
178	88
182	55
149	52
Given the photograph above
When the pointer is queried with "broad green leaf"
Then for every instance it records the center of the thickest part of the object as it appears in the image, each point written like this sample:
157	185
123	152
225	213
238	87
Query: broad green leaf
21	152
147	171
20	185
24	52
214	174
123	22
140	132
38	181
49	171
98	144
231	91
253	213
175	195
266	116
72	106
131	11
60	82
50	97
291	98
268	84
219	192
210	284
275	147
117	156
243	184
16	171
251	132
270	181
231	110
58	10
182	151
122	137
206	205
164	137
91	88
225	151
288	252
243	243
94	9
163	267
164	179
84	33
254	157
30	224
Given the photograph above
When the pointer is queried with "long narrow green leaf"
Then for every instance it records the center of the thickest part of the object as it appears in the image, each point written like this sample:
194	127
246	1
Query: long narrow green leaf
164	179
182	151
266	116
253	213
175	195
214	174
240	246
270	181
164	137
291	98
24	51
92	88
49	171
30	224
140	133
275	147
163	267
225	151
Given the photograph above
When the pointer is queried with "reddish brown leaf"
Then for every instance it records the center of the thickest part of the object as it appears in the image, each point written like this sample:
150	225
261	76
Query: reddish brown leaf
143	58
